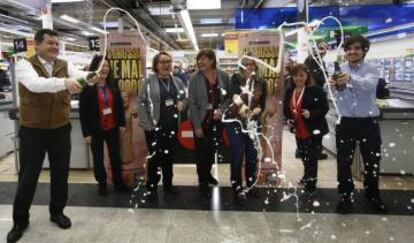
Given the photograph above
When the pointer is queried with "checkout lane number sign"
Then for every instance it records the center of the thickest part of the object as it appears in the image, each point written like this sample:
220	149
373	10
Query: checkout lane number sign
20	45
94	43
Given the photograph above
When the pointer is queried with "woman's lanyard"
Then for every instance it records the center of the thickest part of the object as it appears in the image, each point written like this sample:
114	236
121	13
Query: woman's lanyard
297	101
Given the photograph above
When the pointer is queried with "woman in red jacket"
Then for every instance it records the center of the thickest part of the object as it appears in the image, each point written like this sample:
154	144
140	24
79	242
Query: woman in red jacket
305	107
102	119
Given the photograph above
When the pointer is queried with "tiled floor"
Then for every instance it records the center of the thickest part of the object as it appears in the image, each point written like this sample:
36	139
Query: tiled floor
108	224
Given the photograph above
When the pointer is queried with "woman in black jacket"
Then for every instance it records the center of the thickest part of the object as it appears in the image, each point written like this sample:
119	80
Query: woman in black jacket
102	118
305	107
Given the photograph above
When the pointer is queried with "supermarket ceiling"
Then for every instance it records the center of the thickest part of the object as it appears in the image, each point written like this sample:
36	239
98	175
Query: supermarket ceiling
163	20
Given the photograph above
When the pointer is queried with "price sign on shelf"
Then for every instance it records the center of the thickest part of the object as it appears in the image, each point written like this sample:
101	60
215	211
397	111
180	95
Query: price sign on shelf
94	43
20	45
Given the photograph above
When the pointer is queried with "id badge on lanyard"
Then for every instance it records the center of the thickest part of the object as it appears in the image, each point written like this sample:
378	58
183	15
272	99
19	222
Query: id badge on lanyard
297	101
107	110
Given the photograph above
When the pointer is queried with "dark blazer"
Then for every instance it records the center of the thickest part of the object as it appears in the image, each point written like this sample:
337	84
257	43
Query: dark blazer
89	110
314	100
198	97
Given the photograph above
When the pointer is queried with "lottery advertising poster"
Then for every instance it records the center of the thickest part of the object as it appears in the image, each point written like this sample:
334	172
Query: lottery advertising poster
265	46
126	53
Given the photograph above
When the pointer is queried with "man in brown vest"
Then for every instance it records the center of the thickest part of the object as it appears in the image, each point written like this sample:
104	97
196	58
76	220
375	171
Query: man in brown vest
44	93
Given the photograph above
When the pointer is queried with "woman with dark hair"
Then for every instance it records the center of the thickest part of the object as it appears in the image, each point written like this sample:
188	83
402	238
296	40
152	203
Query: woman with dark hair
241	143
102	119
208	99
305	107
160	101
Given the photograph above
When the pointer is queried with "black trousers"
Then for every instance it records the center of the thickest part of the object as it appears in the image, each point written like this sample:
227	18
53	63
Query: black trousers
367	132
310	150
111	137
161	145
205	149
34	143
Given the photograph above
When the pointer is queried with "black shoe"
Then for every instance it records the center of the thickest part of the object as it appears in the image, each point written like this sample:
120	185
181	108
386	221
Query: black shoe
152	196
254	193
16	232
123	188
205	191
212	181
239	198
302	181
378	205
298	155
344	206
171	190
61	220
322	156
102	190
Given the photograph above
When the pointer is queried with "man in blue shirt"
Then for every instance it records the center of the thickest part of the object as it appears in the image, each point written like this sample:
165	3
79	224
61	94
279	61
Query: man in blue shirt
359	122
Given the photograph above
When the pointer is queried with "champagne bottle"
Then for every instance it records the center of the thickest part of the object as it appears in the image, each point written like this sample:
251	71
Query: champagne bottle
336	75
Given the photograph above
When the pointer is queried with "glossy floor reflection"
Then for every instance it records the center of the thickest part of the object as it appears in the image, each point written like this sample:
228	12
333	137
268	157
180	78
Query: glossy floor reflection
148	225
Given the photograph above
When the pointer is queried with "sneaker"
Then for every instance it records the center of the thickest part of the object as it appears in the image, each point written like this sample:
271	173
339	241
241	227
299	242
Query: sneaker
344	206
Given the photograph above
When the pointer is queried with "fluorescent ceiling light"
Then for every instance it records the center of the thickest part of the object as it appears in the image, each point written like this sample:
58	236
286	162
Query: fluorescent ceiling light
16	32
86	33
160	11
185	20
110	24
209	35
98	30
69	19
199	4
66	1
211	21
174	30
6	44
70	39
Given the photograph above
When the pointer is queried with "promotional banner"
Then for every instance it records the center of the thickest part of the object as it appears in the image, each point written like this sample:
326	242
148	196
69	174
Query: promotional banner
126	53
264	45
231	42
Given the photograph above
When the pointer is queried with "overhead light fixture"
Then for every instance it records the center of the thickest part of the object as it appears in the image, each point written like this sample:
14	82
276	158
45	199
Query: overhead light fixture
98	30
211	21
110	24
69	19
86	33
199	5
160	11
70	39
66	1
185	20
174	30
16	32
209	35
224	34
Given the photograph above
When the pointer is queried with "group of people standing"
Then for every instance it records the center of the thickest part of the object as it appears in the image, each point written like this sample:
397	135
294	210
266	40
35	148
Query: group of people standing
46	82
162	100
305	107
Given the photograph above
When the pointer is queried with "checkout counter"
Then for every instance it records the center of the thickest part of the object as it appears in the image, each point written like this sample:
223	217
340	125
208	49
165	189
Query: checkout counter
397	132
80	155
6	128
